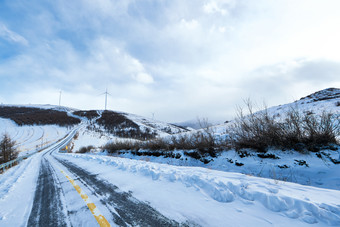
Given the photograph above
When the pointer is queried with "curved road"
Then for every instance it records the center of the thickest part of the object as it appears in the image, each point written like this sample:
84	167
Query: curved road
67	195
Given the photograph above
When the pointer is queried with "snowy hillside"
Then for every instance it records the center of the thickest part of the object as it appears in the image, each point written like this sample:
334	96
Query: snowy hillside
105	126
99	126
311	168
324	100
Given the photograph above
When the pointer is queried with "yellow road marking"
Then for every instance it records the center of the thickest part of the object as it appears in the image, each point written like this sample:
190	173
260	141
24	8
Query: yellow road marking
94	210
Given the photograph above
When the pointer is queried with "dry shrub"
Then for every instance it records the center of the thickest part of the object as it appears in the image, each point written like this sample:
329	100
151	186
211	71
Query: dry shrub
202	143
83	150
296	130
89	114
115	146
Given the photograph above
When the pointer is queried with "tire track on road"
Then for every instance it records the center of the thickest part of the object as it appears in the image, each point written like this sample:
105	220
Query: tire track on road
47	208
130	210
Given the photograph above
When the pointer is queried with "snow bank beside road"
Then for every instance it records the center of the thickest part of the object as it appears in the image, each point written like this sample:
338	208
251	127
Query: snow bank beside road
287	166
17	187
297	202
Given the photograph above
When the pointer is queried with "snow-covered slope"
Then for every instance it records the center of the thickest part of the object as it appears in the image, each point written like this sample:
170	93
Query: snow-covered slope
30	138
317	169
162	128
116	126
325	100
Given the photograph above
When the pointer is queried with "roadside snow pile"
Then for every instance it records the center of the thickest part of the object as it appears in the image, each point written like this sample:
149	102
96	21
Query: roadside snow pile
314	169
9	179
308	204
17	187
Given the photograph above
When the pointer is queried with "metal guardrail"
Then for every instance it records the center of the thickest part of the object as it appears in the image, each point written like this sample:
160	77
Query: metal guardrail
67	140
15	161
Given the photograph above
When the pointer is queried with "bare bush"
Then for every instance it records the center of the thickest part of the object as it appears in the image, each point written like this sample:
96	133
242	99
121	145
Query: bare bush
83	150
89	114
115	146
203	143
255	130
321	130
296	130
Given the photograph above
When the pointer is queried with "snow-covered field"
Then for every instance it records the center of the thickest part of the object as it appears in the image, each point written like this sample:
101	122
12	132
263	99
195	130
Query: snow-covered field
30	138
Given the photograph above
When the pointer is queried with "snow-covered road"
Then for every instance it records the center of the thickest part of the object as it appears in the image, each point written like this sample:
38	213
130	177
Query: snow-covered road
48	191
67	195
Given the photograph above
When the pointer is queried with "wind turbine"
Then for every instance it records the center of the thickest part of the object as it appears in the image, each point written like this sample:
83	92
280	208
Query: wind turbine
59	97
105	93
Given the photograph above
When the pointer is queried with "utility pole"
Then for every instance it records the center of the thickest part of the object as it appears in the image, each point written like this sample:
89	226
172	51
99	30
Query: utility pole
59	97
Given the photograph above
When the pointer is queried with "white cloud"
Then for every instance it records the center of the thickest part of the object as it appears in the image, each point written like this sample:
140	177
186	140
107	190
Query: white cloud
144	78
180	59
214	6
222	29
192	24
12	36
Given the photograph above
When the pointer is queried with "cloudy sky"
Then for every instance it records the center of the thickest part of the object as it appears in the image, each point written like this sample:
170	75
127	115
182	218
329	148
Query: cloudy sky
176	59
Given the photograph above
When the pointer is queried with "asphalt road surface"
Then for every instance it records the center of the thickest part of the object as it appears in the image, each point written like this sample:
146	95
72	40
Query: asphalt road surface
62	198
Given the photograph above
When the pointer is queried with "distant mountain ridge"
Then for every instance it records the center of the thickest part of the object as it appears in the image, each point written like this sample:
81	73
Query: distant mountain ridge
317	102
326	94
118	123
326	99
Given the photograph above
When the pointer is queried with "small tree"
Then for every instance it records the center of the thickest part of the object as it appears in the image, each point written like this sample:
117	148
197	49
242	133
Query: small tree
7	150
